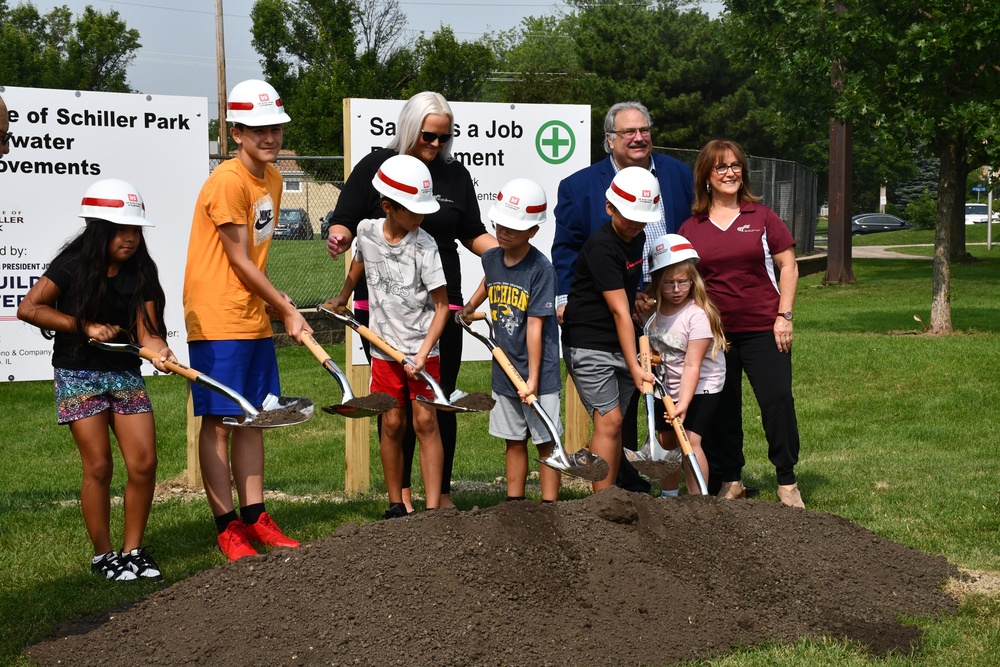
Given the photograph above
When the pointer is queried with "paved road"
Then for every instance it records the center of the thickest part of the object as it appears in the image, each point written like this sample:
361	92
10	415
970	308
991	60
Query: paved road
877	251
884	252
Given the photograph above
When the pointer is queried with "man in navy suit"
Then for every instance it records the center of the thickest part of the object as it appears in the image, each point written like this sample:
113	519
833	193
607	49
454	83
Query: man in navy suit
580	210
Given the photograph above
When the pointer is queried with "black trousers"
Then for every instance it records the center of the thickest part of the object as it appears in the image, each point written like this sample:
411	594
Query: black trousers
770	374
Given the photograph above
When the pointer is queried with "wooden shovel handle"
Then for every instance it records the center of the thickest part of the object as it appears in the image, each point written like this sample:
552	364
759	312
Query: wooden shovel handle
314	347
505	363
682	436
508	366
646	361
378	342
172	366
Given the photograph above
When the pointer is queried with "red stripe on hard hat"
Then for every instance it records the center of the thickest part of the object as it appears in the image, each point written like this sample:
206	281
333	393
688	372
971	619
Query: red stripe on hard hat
240	106
656	199
402	187
103	203
278	102
534	209
681	246
621	193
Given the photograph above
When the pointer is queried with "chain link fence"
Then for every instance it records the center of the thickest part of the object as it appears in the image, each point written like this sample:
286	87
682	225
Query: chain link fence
299	264
788	188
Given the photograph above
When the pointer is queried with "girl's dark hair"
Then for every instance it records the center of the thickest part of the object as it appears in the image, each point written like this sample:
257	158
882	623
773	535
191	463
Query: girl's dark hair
89	266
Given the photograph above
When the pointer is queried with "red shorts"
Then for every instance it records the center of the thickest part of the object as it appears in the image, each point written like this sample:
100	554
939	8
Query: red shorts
389	377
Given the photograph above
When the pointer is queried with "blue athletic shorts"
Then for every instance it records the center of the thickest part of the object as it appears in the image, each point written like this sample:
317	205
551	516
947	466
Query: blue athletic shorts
249	367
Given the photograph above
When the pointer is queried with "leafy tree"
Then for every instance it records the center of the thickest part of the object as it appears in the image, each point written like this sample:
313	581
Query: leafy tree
457	70
312	53
90	52
912	73
537	63
676	61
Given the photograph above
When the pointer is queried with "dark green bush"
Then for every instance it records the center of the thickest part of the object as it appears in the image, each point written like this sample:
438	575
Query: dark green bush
922	211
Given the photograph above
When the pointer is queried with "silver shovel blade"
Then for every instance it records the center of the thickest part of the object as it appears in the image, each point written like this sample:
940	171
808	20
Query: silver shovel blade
655	468
276	411
581	463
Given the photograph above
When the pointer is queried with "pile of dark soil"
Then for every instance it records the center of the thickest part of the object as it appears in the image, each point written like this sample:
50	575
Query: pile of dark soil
615	578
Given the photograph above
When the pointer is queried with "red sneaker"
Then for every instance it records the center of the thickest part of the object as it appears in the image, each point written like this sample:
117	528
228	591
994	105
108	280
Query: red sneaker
266	531
235	542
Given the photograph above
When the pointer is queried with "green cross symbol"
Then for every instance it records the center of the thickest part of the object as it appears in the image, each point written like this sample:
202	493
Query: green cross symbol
552	139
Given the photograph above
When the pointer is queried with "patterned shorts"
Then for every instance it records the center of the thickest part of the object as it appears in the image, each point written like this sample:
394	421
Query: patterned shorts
81	394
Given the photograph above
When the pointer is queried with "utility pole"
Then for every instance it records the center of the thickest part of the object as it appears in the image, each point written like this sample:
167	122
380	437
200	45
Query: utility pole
220	64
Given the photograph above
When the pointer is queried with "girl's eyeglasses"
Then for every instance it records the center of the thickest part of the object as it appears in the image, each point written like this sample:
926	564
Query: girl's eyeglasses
676	285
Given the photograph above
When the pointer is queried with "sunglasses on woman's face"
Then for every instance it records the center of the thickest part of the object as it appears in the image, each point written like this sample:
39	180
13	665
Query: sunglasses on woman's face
431	137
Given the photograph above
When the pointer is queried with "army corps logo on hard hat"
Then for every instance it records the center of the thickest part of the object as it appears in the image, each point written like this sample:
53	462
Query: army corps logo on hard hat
264	97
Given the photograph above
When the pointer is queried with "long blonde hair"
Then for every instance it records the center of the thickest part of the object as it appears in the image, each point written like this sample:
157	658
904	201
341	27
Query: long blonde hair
698	293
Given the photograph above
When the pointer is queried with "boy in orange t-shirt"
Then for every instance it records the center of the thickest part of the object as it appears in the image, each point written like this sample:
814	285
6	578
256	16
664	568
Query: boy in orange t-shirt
228	300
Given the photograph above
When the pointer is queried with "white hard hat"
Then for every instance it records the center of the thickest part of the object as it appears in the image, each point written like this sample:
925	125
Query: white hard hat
520	205
255	103
406	180
670	249
635	192
116	201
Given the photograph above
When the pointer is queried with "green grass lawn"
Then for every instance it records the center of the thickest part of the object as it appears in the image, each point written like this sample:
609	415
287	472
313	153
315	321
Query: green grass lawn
899	434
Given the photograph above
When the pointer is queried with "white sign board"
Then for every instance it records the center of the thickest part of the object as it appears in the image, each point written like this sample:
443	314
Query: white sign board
63	142
496	142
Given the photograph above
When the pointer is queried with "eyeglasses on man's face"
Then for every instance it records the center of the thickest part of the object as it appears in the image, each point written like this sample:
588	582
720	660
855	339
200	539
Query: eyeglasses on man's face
431	137
6	138
632	131
721	169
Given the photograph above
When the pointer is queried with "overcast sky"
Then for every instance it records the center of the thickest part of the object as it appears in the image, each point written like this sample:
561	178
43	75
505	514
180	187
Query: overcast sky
178	36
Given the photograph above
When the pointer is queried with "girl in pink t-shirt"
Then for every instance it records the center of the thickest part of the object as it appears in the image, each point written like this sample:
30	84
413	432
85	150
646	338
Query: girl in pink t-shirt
686	332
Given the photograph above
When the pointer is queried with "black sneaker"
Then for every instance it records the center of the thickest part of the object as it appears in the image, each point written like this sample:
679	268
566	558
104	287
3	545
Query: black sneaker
111	567
395	511
140	562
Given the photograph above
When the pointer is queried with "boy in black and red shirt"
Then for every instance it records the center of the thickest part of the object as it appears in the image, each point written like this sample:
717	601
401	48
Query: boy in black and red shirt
598	336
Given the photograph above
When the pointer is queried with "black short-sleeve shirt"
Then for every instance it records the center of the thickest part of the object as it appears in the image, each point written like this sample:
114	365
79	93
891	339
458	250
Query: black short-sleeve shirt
71	351
606	263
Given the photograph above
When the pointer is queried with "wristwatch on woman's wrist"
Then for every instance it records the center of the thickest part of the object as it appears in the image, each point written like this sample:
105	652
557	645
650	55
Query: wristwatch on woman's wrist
787	315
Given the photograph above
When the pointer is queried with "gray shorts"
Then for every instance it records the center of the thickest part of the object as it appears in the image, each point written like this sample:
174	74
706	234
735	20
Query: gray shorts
602	379
511	419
